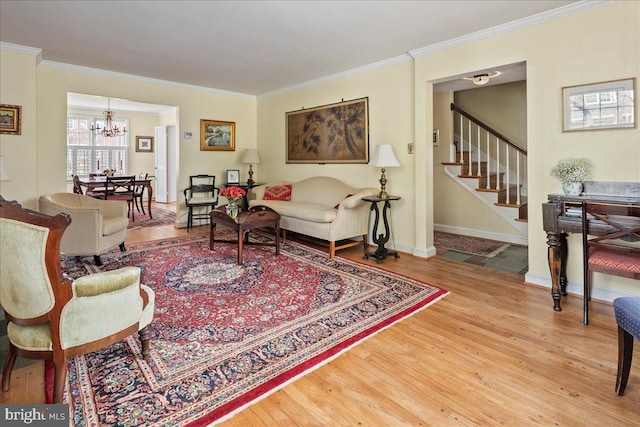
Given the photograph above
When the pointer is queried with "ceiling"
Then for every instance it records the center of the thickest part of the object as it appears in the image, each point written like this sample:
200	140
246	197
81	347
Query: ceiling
247	47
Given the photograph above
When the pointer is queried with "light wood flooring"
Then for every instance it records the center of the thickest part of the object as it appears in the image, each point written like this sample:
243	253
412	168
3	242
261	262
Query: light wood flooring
493	352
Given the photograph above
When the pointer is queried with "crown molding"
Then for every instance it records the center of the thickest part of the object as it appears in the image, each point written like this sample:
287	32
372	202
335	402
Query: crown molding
570	9
82	69
10	47
369	67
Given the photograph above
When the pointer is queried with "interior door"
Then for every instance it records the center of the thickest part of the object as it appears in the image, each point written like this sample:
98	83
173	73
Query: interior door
161	164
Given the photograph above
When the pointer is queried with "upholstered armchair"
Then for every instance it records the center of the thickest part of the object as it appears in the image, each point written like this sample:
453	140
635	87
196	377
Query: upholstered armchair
96	227
52	317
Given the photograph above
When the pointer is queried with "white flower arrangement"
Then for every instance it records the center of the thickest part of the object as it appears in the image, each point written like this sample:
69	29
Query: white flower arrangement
572	170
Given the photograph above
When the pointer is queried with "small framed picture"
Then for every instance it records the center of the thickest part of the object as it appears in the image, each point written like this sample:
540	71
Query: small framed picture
436	137
597	106
144	144
233	176
216	135
10	119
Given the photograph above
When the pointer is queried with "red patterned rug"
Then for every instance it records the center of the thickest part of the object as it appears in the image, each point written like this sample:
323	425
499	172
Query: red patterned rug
160	217
226	335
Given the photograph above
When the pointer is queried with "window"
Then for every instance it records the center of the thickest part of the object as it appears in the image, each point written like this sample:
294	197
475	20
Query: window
89	153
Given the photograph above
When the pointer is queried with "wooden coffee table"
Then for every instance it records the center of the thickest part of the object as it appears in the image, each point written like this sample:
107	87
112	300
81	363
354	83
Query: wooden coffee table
254	217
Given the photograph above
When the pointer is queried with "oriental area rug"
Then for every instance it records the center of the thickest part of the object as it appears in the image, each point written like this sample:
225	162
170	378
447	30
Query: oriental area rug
468	244
226	335
160	217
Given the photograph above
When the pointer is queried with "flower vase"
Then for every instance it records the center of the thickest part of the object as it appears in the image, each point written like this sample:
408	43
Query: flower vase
572	188
232	209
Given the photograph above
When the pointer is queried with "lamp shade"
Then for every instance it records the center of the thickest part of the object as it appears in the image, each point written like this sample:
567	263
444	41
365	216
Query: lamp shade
3	172
251	156
383	157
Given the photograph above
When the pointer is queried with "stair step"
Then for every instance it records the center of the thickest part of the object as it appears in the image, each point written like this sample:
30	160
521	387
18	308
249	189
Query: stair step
521	220
508	205
452	164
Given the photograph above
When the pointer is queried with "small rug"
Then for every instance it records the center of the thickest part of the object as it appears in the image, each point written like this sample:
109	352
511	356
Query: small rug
468	244
226	335
160	217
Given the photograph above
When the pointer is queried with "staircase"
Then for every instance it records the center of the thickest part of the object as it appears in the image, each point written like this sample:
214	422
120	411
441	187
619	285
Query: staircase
490	167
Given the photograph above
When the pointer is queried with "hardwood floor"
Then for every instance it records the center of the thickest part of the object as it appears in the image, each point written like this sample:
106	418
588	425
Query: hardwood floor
492	352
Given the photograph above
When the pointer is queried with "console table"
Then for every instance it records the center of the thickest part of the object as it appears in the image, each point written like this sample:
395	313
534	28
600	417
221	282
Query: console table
381	239
562	215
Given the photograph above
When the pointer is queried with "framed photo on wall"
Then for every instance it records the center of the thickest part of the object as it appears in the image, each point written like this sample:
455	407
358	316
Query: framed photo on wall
216	135
10	119
144	144
597	106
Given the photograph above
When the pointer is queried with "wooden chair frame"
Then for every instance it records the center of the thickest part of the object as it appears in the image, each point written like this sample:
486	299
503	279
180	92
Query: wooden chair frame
619	223
62	291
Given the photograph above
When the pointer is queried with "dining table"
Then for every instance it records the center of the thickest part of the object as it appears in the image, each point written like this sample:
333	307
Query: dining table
98	183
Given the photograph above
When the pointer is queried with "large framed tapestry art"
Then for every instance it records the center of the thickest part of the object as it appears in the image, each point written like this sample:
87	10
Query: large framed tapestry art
335	133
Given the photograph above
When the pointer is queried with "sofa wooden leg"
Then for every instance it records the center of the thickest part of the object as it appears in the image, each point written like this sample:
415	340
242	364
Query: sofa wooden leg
284	235
365	239
332	249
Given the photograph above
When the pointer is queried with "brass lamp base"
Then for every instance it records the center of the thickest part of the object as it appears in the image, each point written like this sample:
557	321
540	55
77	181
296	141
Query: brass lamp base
250	180
383	183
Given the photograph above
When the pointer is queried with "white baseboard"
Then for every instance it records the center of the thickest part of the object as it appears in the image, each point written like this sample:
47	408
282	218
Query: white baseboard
509	238
574	288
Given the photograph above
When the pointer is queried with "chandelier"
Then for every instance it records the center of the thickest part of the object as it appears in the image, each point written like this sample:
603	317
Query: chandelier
110	130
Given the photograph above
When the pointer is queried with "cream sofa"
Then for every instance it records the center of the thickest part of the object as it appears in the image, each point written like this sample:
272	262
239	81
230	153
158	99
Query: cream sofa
311	210
96	225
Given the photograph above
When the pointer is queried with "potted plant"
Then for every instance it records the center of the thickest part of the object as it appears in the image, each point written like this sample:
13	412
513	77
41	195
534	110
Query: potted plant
572	173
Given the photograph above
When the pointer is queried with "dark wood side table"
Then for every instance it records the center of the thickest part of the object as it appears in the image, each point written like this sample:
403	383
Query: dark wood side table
381	239
255	217
246	187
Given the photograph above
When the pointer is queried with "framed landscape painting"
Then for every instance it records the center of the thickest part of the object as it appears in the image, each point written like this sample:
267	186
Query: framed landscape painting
217	135
144	144
10	119
335	133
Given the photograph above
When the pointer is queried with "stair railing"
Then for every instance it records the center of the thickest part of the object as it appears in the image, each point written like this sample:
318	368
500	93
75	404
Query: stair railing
509	149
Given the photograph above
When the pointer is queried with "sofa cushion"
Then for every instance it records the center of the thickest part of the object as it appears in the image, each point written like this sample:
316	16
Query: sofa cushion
312	212
278	192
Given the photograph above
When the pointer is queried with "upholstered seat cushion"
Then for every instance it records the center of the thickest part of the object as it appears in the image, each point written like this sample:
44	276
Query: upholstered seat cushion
114	225
627	310
616	260
205	201
312	212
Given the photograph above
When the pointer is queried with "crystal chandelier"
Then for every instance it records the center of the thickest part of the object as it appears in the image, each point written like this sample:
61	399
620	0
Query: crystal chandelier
110	130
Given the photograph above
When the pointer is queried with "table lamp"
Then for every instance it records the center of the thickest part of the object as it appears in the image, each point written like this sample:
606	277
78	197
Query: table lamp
383	158
251	157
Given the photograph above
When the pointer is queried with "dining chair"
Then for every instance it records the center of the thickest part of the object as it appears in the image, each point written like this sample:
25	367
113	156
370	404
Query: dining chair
50	316
201	196
616	250
77	188
139	191
122	188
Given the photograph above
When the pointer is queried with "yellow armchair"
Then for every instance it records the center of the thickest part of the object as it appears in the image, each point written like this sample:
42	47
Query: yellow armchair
52	317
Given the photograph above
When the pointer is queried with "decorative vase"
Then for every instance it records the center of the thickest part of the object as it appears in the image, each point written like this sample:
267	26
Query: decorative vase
232	209
572	188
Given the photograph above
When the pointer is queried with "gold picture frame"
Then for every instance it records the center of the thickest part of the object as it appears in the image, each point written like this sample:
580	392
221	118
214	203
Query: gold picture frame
599	106
144	144
10	119
216	135
334	133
